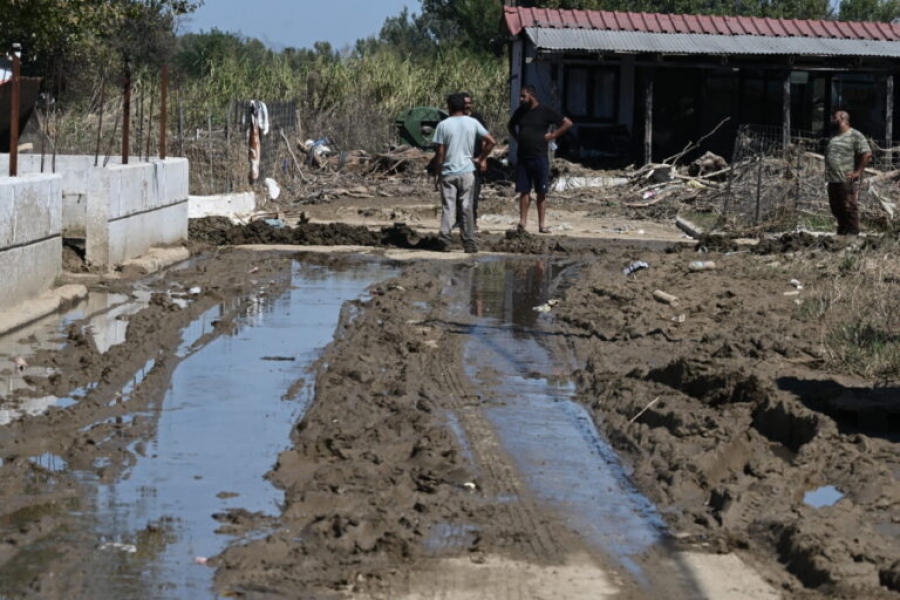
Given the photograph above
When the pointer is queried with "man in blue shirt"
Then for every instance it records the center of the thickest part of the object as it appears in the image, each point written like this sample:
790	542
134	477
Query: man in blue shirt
455	163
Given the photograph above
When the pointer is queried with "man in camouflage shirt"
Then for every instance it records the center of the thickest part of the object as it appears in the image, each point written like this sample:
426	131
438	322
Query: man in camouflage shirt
846	157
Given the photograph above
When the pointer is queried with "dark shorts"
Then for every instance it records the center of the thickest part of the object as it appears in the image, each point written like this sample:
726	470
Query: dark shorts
533	173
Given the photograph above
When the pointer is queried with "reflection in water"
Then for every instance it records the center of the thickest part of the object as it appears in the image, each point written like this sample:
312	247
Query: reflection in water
553	440
203	444
509	291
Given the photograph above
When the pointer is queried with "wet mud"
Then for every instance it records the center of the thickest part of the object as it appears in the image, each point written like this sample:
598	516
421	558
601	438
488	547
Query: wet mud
715	402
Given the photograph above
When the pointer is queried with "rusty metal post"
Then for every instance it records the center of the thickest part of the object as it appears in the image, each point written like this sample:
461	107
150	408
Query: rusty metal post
163	113
126	113
14	111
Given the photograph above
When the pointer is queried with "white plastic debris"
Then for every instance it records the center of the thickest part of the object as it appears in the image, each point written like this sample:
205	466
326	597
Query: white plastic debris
273	190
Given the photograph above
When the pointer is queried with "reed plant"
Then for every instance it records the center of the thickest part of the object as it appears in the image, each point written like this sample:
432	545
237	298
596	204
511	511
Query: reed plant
855	304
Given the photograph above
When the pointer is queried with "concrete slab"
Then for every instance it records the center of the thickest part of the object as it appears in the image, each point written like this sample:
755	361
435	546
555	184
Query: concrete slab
222	205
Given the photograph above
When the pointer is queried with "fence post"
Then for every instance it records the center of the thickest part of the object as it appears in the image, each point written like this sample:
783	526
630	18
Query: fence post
163	110
759	174
126	113
889	122
14	111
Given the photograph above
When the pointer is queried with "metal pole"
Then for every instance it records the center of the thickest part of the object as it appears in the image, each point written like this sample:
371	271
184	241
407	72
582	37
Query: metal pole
126	113
14	111
163	105
889	121
648	119
100	121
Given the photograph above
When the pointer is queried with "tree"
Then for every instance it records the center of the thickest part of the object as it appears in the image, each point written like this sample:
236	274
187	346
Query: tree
869	10
67	33
470	24
407	34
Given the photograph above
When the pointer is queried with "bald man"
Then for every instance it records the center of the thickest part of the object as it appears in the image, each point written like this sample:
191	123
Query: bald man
846	157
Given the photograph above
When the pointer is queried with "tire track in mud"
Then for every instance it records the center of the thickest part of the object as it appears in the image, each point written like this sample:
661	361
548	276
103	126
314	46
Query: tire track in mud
520	523
501	485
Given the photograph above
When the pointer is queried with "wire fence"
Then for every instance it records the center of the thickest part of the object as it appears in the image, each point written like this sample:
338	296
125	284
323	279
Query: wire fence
217	146
771	182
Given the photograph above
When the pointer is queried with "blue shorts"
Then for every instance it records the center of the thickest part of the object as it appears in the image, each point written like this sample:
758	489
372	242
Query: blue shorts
533	172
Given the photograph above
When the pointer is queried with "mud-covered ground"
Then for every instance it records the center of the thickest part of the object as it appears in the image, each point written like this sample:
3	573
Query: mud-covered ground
715	394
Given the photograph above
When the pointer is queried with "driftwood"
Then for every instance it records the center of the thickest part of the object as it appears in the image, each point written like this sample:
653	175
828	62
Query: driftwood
291	152
692	145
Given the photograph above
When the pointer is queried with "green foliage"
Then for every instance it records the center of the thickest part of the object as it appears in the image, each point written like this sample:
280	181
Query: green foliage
69	42
869	10
473	25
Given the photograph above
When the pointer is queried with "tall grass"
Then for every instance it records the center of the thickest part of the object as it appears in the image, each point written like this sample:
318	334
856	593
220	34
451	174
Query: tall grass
859	314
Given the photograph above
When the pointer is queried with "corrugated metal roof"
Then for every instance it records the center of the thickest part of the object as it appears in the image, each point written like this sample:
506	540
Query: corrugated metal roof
517	19
630	42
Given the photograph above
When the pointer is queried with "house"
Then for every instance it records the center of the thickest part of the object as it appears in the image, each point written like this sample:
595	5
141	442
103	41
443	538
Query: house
642	87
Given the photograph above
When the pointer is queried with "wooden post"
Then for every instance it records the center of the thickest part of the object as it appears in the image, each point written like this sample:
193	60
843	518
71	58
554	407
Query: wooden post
786	112
648	118
889	122
14	111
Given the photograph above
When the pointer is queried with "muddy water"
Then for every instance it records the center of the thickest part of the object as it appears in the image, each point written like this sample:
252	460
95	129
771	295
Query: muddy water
552	438
225	416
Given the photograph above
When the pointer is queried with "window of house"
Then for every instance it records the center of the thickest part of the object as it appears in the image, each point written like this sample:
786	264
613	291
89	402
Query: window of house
592	94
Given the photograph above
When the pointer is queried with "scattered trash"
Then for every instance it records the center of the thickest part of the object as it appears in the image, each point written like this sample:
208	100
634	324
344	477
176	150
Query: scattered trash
276	223
200	560
679	318
643	410
796	283
702	265
195	290
665	298
129	548
253	270
273	190
570	183
635	266
470	486
20	363
546	306
689	228
794	293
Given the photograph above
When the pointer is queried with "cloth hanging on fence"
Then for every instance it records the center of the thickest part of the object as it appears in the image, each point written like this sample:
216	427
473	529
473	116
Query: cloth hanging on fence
256	120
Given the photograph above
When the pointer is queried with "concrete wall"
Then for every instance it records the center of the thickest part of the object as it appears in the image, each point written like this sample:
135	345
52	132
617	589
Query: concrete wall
30	236
120	210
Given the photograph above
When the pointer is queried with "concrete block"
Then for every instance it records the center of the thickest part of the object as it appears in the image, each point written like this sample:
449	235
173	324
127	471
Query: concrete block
222	205
29	270
30	208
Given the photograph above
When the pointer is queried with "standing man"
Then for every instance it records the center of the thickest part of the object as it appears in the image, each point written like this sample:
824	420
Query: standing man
530	127
846	157
476	189
455	163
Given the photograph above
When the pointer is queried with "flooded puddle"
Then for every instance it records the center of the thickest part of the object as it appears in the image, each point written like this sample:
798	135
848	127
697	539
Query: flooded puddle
551	437
226	415
827	495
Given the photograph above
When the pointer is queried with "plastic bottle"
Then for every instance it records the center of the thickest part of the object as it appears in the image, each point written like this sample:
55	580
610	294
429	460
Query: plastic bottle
635	266
702	265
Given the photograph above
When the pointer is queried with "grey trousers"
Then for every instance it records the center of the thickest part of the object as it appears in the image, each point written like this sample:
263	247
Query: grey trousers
456	195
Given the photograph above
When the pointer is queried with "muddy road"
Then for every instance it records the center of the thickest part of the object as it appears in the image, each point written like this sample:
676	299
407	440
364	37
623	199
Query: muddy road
527	422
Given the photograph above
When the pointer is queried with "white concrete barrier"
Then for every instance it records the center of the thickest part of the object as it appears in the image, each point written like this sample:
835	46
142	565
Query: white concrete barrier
222	205
30	236
120	210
